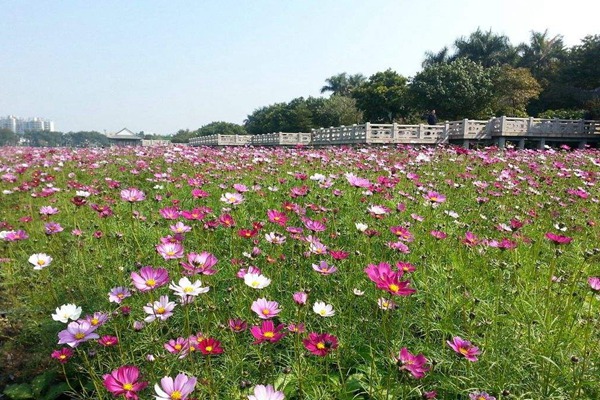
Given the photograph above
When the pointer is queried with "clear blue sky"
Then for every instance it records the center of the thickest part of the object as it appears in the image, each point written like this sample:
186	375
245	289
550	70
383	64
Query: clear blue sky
160	66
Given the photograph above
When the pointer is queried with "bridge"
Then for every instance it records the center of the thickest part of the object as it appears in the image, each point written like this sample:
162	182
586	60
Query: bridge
521	132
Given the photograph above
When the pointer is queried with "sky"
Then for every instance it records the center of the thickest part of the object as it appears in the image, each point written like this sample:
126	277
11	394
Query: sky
161	66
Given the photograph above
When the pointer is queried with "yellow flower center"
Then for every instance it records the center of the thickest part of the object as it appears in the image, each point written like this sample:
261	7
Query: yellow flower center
255	284
463	350
128	386
161	310
41	262
95	321
79	336
209	348
323	312
393	287
266	311
62	356
176	395
320	345
170	253
269	334
150	282
188	289
177	346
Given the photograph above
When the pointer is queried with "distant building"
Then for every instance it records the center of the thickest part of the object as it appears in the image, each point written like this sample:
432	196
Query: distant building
22	125
124	138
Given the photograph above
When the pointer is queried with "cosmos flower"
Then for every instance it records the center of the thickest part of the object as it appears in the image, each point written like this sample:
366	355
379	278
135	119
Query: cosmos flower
161	309
177	346
265	309
324	310
66	312
232	198
186	288
323	268
464	347
123	381
267	332
63	355
77	332
175	389
210	346
149	278
320	344
170	251
237	325
277	217
132	195
594	282
415	364
256	281
40	260
300	298
108	341
480	396
52	228
386	304
202	263
48	210
262	392
558	239
117	294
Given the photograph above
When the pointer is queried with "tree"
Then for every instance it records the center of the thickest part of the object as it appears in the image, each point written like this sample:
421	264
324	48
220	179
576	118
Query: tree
340	110
542	56
441	57
460	89
343	84
183	136
582	68
221	128
8	138
85	139
513	89
487	48
383	98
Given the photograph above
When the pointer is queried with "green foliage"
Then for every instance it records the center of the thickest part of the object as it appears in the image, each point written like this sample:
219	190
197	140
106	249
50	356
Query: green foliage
513	90
20	391
383	98
221	128
343	84
563	114
8	138
583	65
456	90
486	48
183	136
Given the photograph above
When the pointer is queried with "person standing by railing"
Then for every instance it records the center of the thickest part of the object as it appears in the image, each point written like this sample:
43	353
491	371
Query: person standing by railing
432	118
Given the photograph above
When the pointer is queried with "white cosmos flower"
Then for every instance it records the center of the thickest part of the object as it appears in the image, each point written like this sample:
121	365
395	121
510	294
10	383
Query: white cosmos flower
40	260
66	312
187	288
256	281
361	227
82	193
324	310
232	198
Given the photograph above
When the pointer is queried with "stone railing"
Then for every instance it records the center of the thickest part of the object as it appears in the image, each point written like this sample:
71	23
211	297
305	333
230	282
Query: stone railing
465	130
531	127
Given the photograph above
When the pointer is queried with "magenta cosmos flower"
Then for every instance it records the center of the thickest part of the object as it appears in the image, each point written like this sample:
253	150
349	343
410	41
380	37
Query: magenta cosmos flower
464	347
267	332
123	381
415	364
481	396
63	355
320	344
262	392
558	239
132	195
179	388
265	309
149	278
434	197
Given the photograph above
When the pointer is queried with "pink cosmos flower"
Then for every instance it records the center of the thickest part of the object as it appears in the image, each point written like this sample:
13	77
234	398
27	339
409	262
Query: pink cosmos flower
470	239
464	347
356	181
97	319
169	212
480	396
161	309
77	332
300	298
315	226
265	309
232	198
149	278
275	238
402	233
179	389
117	294
170	251
415	364
558	239
48	210
267	332
52	228
132	195
323	268
320	344
202	263
196	214
405	267
178	346
180	227
108	341
435	197
123	381
63	355
594	282
438	234
227	220
262	392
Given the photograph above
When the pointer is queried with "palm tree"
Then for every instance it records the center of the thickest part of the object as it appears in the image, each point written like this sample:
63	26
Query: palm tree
441	57
542	55
343	84
487	48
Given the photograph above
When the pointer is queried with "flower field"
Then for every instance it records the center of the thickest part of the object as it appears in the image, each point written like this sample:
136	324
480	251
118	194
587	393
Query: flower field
334	273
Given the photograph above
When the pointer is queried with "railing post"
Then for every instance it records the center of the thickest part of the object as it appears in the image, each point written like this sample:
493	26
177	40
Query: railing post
394	131
420	131
368	131
465	127
446	137
529	125
502	125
